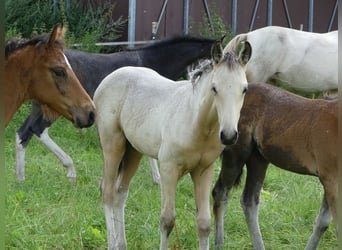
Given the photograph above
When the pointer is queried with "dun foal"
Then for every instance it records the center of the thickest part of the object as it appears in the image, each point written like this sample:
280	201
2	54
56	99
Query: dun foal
182	124
39	70
294	133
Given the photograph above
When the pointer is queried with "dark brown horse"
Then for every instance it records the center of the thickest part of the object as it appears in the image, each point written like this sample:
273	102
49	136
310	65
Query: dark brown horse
294	133
39	70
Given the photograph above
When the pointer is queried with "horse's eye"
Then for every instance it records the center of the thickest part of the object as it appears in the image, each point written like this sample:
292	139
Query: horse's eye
245	90
214	90
60	72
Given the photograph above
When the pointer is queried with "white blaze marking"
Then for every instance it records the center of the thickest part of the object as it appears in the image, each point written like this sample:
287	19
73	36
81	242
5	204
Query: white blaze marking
67	62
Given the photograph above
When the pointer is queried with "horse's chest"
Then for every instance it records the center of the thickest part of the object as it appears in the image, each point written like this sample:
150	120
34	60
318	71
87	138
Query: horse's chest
189	157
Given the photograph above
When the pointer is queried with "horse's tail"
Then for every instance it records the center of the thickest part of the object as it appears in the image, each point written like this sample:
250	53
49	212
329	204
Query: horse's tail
234	43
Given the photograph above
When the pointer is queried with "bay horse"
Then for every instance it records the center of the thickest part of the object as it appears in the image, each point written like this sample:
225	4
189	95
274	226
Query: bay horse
297	60
169	57
38	69
183	124
291	132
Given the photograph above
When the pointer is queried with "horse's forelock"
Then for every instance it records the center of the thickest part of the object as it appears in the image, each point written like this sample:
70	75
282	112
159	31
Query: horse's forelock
231	59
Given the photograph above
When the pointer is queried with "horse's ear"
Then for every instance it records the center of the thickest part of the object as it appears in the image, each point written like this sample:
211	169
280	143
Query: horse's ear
216	50
222	39
244	51
56	34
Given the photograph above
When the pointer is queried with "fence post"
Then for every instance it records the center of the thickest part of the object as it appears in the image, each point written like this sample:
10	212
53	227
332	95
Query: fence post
269	12
234	16
311	12
186	17
131	23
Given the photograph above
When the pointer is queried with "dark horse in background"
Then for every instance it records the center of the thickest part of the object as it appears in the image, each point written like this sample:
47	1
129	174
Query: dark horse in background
169	57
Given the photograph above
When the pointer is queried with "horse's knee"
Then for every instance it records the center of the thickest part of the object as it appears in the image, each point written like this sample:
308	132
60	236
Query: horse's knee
67	162
203	226
247	201
220	199
167	224
219	194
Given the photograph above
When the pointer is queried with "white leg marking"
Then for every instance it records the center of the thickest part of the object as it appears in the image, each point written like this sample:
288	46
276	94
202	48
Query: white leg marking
59	153
119	217
20	159
154	170
109	217
322	223
251	215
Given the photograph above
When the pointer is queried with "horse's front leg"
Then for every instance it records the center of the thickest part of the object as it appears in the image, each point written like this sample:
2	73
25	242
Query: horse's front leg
169	175
202	180
256	171
59	153
231	170
20	159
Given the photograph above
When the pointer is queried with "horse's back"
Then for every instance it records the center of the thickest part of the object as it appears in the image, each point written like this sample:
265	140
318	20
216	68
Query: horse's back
296	59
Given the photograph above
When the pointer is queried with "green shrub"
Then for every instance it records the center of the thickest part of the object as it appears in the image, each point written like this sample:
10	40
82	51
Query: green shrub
86	23
204	28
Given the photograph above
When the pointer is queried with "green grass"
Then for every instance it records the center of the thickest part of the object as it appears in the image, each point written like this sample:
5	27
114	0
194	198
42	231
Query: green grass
48	212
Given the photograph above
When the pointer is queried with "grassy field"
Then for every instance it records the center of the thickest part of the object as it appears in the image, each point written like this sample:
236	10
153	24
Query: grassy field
48	212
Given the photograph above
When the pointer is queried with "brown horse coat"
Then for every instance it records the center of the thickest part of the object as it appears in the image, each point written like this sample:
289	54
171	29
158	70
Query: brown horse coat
293	133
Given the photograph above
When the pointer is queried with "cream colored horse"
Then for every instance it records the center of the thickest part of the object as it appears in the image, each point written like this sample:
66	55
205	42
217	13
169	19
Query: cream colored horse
298	60
184	125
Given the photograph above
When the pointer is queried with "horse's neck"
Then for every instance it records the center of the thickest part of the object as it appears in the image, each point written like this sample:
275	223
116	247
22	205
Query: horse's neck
16	88
172	61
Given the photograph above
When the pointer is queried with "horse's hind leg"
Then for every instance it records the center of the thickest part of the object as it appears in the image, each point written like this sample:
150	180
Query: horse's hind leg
256	171
154	170
231	170
202	180
113	147
322	224
128	168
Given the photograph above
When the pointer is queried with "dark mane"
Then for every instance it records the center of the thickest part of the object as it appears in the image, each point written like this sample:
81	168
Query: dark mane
15	44
175	40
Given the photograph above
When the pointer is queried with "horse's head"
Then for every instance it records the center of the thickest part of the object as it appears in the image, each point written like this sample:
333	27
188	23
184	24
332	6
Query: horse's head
56	85
229	85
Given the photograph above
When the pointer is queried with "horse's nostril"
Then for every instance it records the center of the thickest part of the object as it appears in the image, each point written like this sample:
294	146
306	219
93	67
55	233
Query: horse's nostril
91	117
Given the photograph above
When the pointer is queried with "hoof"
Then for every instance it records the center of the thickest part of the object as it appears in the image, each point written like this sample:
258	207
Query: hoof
72	180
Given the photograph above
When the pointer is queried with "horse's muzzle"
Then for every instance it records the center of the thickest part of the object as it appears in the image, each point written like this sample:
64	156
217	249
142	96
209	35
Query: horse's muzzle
84	117
229	140
86	123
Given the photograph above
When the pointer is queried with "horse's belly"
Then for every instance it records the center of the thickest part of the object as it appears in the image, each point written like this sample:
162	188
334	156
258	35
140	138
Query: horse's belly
306	81
146	141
